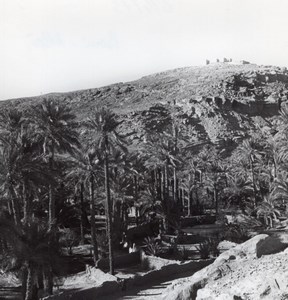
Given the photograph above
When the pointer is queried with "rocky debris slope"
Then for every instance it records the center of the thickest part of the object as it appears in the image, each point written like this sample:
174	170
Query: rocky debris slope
248	271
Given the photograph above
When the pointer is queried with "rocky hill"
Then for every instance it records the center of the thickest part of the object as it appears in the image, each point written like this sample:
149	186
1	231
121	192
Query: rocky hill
256	269
218	102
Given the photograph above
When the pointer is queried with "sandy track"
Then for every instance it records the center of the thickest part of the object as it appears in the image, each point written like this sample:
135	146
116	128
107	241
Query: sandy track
150	291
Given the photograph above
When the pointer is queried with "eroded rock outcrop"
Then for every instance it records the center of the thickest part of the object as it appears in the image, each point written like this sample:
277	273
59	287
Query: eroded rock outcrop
248	271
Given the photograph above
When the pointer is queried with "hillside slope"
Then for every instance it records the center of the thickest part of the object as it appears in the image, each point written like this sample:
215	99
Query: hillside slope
219	102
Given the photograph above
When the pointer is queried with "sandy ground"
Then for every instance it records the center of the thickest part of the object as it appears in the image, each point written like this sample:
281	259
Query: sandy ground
151	291
245	272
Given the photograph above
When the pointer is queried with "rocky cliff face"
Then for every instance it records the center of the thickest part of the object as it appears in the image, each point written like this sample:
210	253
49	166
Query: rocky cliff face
216	102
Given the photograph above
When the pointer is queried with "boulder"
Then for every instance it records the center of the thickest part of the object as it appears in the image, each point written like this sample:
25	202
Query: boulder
188	290
271	245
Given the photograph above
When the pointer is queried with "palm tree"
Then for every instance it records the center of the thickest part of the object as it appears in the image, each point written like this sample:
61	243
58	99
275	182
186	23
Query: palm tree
268	211
216	180
238	190
137	169
103	124
9	177
280	188
122	198
248	152
188	185
22	172
161	149
151	206
55	129
12	123
28	250
11	127
84	172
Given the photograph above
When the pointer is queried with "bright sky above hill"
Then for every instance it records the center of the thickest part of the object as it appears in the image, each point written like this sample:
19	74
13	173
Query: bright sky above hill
63	45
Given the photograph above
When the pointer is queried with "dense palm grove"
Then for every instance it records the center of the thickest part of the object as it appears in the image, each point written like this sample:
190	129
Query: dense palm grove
58	174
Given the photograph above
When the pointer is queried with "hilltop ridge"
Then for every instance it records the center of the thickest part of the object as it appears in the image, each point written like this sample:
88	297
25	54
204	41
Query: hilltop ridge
219	101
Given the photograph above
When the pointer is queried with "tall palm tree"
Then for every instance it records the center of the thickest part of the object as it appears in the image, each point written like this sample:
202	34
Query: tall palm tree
239	189
150	205
28	250
85	172
248	152
103	125
268	210
12	123
216	180
122	197
9	177
280	187
161	149
55	129
137	169
11	127
21	172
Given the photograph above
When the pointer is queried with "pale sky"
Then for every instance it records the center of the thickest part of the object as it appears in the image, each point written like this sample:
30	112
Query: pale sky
64	45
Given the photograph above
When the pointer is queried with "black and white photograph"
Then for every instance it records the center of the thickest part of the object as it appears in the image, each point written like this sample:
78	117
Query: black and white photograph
143	150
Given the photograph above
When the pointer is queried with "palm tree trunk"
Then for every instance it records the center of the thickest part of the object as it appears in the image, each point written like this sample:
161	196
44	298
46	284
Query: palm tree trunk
118	221
10	210
14	205
29	284
197	198
125	218
175	198
27	204
189	201
163	186
93	228
215	195
137	215
24	283
159	184
82	214
51	209
254	182
166	170
154	177
48	282
183	200
109	213
136	189
275	167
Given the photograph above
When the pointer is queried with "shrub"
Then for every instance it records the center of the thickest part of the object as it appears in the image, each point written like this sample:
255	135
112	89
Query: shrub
152	246
204	249
69	238
145	264
236	233
209	246
213	246
184	254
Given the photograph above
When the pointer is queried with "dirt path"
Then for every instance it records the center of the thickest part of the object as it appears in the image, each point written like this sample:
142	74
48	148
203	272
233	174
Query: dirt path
152	291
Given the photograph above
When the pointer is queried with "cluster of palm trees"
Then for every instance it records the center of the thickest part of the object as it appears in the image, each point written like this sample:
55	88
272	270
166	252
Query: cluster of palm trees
51	164
41	153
